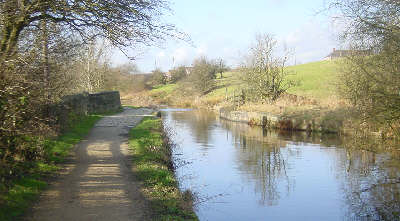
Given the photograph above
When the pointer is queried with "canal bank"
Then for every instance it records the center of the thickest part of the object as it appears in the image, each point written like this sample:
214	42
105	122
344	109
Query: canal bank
310	121
153	166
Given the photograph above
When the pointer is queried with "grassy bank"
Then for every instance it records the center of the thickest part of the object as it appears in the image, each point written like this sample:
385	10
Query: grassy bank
22	192
154	167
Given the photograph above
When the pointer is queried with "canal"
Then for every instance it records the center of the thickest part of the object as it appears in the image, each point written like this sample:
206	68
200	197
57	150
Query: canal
238	172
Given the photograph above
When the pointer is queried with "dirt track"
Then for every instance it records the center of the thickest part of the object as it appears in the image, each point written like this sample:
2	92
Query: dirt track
97	182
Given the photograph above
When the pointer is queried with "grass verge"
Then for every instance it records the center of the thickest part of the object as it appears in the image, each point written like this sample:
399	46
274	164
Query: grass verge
133	107
154	167
24	190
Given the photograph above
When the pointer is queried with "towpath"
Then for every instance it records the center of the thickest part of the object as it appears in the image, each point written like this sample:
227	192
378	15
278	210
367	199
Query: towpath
97	182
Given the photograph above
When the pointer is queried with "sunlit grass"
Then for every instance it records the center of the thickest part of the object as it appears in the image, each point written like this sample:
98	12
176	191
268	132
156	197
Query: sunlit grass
164	88
58	149
316	79
20	197
152	160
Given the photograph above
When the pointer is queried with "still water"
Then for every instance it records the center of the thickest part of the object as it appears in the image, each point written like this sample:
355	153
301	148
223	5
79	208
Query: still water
238	172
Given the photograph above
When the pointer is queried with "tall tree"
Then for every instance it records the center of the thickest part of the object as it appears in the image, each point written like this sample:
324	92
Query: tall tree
35	54
372	83
203	75
124	22
221	66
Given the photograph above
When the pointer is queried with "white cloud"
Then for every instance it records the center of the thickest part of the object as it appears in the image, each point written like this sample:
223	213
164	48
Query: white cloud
202	50
180	55
311	42
161	54
292	38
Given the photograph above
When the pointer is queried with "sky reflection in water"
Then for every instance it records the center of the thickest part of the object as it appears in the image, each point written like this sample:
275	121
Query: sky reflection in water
246	173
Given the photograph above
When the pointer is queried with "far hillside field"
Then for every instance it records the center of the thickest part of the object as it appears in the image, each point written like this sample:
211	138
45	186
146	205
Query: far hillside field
316	81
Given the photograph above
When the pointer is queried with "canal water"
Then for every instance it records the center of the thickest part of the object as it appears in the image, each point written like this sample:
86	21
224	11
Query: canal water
238	172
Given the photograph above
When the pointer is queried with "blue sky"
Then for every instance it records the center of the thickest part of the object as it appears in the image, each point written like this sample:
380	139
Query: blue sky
225	29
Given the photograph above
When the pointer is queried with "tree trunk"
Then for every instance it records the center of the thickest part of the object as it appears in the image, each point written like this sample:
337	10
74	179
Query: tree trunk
45	56
9	38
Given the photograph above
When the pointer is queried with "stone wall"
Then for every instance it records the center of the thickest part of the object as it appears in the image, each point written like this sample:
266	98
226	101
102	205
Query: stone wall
73	107
77	103
104	102
267	120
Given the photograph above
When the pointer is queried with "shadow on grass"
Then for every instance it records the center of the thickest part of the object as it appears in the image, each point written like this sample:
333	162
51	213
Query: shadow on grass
25	189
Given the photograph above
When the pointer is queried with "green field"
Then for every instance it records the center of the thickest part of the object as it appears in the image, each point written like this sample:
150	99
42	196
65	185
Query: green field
317	80
168	88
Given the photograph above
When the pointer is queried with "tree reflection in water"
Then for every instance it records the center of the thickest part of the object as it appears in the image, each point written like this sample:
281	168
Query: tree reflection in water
200	124
261	161
371	184
369	181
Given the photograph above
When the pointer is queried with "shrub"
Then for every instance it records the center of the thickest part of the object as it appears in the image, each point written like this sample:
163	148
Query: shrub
203	75
265	74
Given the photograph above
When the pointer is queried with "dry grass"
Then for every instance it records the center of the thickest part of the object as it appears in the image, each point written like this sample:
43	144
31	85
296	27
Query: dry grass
290	104
139	99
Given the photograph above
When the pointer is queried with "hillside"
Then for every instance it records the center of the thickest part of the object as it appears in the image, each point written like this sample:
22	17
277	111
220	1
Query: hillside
316	89
317	79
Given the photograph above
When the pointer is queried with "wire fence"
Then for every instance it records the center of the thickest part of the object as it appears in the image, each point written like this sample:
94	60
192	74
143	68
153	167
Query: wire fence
237	97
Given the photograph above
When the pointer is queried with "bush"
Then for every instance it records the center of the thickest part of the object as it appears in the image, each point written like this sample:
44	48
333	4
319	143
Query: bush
157	78
24	113
372	83
203	75
265	75
178	74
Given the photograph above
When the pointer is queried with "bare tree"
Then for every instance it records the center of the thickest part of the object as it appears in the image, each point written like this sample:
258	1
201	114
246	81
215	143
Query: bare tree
93	67
372	83
264	73
368	23
124	23
222	67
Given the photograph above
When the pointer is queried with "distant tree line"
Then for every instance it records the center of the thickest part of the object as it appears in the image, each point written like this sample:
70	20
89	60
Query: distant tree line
200	76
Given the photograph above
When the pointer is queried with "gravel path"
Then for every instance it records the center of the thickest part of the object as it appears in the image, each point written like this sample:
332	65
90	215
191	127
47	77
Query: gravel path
97	182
